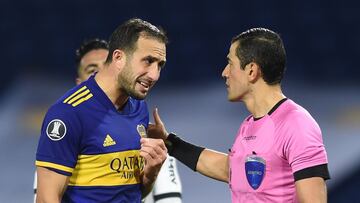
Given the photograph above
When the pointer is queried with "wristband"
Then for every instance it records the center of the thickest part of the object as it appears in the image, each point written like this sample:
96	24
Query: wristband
183	151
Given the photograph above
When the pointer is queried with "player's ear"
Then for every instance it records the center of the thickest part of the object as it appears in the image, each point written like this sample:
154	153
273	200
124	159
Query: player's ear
119	58
77	81
254	71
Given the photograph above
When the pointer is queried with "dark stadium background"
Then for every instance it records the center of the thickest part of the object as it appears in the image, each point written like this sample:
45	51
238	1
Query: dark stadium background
322	40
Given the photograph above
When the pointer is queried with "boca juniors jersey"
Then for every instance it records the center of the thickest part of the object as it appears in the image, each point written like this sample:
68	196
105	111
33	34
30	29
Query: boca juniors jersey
83	136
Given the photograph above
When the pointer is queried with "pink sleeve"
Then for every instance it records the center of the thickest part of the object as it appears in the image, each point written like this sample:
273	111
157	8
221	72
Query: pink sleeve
303	146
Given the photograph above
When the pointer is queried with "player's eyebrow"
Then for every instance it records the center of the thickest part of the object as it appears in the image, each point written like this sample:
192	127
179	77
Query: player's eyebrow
153	59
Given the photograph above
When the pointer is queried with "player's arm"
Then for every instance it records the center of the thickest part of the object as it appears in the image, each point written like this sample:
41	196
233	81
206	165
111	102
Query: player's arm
57	152
207	162
154	152
311	190
50	186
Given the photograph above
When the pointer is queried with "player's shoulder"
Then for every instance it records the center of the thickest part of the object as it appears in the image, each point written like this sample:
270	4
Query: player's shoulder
76	96
70	102
293	114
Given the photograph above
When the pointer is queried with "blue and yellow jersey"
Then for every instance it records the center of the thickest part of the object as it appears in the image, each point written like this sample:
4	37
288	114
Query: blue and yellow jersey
83	136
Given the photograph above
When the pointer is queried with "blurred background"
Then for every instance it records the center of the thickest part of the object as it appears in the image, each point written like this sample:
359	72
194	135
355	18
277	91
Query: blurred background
39	39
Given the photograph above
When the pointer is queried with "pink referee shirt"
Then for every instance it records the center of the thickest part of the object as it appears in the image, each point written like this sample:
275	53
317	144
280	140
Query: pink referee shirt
288	140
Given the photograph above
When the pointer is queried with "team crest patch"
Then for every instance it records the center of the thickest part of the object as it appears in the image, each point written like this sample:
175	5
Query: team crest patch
56	130
141	130
255	170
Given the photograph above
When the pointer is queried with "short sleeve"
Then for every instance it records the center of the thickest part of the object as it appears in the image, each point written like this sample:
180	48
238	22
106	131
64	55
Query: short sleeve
303	146
59	142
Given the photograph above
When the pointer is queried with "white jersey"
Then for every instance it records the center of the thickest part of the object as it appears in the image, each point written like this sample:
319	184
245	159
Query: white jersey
167	187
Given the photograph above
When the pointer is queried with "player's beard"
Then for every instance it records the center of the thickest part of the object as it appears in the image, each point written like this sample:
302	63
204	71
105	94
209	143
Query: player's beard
127	82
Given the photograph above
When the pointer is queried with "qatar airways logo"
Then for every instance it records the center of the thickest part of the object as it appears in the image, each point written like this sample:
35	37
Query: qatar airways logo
128	167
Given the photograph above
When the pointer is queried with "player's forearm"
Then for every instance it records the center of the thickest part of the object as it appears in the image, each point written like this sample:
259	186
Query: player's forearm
148	180
146	187
214	165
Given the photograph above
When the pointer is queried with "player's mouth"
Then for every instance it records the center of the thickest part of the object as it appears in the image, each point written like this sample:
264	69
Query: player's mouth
145	85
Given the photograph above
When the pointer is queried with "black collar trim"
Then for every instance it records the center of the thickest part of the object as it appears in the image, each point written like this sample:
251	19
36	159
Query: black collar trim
273	108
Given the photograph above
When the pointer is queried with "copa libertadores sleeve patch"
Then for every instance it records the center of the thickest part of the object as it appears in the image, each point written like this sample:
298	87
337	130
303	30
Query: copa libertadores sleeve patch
56	130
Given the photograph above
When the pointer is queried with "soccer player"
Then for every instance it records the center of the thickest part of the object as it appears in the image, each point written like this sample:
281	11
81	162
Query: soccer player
278	154
92	146
90	58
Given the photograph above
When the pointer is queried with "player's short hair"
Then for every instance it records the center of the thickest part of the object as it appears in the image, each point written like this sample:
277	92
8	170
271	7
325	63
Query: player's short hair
265	48
127	34
87	46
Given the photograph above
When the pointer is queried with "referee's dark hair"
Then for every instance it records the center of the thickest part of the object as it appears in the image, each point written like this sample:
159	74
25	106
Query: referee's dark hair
127	34
87	46
264	47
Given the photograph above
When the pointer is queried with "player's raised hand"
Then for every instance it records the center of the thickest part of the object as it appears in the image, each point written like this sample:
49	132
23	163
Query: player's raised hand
157	130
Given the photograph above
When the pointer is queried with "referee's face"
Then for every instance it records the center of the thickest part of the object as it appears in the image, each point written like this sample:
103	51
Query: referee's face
236	79
143	67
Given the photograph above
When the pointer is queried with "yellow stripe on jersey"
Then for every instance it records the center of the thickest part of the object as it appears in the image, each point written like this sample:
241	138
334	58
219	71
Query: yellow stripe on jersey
54	166
82	100
78	96
74	94
111	169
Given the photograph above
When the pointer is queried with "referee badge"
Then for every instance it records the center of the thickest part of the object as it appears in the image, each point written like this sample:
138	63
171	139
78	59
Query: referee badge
56	130
141	130
255	170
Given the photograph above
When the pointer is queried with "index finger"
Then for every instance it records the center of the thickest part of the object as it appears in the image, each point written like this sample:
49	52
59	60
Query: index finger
157	118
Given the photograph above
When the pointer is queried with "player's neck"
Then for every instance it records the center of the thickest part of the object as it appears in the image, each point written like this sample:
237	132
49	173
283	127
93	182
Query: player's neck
108	84
262	99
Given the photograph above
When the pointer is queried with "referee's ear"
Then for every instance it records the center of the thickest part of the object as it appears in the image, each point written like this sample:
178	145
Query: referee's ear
253	71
